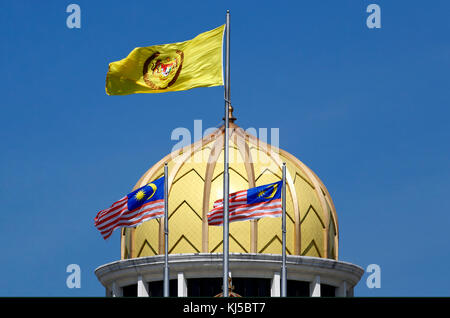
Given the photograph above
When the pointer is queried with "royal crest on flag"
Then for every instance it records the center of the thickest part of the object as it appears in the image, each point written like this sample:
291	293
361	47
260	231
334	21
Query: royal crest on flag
141	205
254	203
169	67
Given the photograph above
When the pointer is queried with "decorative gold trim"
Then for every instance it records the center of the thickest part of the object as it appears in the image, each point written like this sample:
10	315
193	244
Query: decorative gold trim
181	160
210	166
244	150
262	146
304	179
333	211
274	238
190	207
318	189
315	212
142	247
122	243
311	245
186	239
230	169
234	239
132	241
187	172
269	170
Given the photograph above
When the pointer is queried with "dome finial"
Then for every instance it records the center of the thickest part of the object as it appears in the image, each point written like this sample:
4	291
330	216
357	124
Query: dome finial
231	118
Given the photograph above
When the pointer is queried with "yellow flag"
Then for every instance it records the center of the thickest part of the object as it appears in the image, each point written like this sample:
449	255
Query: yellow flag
169	67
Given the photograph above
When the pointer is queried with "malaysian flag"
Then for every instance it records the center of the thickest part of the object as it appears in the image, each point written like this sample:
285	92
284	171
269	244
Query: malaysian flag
141	205
254	203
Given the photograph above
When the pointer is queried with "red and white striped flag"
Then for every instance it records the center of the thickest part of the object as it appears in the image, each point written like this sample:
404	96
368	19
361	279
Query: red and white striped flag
254	203
141	205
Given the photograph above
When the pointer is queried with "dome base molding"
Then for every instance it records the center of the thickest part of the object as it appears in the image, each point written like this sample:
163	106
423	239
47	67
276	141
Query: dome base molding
341	275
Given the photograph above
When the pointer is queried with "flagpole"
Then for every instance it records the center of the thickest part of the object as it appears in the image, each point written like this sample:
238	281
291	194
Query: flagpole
226	181
166	234
283	230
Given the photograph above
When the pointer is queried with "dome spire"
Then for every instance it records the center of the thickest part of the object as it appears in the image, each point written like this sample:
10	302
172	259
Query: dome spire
231	118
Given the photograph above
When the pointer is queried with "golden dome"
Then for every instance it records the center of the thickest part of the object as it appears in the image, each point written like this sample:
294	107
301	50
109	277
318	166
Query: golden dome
195	182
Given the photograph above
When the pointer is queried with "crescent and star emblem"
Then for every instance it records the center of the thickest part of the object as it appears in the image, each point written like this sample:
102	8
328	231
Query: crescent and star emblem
272	187
154	187
275	188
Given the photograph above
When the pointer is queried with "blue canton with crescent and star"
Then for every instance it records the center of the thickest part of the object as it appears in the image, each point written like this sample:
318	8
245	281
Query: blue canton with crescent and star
152	191
264	193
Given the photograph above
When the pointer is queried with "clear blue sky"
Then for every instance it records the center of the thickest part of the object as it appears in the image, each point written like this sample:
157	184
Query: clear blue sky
366	109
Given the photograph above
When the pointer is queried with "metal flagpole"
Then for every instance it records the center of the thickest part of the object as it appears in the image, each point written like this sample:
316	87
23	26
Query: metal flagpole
226	181
166	233
283	230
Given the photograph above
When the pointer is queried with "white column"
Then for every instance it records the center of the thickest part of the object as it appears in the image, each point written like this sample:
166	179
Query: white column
116	291
350	292
275	290
341	291
314	287
182	285
142	288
